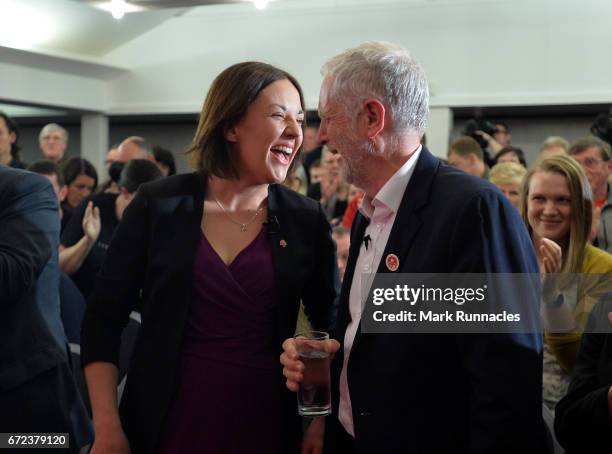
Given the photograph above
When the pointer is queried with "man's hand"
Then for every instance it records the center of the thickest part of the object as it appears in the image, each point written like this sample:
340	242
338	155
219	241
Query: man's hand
293	368
91	222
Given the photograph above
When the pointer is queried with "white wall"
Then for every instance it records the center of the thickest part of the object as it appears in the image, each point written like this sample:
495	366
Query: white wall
487	52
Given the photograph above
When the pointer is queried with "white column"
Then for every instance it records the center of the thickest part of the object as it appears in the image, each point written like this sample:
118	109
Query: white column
94	141
439	130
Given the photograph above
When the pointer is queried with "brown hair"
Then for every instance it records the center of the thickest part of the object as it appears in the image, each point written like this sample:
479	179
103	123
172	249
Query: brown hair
465	145
227	102
581	206
591	141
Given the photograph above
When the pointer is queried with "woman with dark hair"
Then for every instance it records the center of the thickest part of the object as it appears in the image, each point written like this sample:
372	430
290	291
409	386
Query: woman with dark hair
222	258
9	149
556	204
164	160
81	179
511	154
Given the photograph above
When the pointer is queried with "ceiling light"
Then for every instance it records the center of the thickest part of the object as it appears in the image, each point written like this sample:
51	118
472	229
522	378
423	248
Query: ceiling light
118	8
260	4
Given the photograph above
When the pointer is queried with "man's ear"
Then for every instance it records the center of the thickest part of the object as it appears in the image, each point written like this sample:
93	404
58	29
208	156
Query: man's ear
375	115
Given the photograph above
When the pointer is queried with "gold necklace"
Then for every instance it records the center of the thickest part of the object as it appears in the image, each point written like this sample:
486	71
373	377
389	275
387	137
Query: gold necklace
243	225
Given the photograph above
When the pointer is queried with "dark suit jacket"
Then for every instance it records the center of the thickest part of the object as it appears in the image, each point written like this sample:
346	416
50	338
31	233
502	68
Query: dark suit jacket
582	417
154	249
443	393
31	334
33	348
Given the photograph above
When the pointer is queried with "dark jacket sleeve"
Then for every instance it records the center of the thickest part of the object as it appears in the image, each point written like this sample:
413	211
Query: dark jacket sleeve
582	417
320	292
117	286
505	412
27	210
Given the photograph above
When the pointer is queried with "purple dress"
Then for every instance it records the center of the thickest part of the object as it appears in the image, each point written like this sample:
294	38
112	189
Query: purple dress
228	396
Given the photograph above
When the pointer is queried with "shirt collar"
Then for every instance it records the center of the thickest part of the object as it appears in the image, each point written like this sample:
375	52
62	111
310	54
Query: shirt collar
392	192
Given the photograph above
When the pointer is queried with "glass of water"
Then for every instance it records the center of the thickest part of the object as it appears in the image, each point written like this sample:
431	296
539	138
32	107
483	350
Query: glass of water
314	397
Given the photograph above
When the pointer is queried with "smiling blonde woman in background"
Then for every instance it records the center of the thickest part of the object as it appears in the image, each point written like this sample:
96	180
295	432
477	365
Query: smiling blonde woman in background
556	205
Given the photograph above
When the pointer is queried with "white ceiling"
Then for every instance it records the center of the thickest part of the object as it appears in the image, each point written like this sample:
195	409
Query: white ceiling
75	28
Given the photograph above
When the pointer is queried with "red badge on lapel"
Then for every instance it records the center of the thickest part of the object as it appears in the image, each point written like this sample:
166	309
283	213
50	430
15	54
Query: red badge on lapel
392	262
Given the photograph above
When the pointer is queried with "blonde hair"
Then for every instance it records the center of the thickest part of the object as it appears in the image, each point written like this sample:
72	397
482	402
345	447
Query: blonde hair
581	206
507	173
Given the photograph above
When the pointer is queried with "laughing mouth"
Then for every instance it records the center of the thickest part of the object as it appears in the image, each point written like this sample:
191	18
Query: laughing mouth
283	150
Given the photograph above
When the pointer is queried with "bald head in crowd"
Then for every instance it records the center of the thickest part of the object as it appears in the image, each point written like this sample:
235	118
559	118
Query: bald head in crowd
134	147
53	140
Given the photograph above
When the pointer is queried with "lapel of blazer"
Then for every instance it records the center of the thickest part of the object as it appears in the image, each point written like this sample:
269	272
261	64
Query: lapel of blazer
186	240
358	230
408	220
276	230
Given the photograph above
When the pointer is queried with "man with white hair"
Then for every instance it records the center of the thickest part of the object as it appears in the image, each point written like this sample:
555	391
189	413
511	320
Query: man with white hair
53	140
421	393
134	147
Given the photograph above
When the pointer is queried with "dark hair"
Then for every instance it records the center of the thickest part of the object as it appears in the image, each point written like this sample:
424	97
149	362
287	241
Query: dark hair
137	172
46	167
510	149
76	166
501	123
12	128
227	102
165	157
114	171
591	141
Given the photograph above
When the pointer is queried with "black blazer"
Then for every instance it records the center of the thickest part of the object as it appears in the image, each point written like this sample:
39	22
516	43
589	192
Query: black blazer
32	338
443	393
582	417
154	249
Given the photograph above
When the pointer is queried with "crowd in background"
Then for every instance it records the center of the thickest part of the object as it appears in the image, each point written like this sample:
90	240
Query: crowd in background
564	198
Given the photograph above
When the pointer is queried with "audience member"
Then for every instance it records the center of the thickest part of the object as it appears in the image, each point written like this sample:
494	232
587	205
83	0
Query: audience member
37	390
81	179
222	258
466	155
52	171
554	145
87	237
53	140
331	191
502	134
583	419
342	238
511	154
114	173
9	147
593	154
164	160
354	201
426	217
316	172
508	176
556	206
134	147
112	155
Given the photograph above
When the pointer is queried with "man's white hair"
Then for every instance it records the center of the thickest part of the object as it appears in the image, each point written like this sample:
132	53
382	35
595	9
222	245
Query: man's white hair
384	71
52	127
